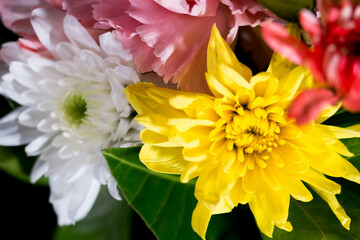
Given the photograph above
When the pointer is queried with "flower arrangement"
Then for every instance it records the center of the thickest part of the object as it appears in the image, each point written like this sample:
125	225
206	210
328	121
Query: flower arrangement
204	116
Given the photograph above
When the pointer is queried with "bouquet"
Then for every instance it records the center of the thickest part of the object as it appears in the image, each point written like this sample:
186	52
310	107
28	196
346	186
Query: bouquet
206	119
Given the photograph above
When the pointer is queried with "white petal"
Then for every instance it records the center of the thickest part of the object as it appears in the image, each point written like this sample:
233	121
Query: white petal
66	51
11	51
123	128
33	97
25	75
12	89
73	201
45	125
112	46
37	64
59	141
113	189
91	61
37	146
40	168
127	74
70	149
47	105
31	117
78	35
22	136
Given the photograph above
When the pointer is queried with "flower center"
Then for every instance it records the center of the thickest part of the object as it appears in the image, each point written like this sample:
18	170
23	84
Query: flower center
252	133
246	130
74	108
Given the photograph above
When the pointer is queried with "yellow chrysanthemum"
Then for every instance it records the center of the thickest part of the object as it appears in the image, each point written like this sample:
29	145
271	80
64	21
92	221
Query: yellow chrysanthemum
240	143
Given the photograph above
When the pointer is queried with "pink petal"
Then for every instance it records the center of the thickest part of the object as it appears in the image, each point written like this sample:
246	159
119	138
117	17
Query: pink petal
247	12
194	8
175	45
310	103
279	39
311	25
48	25
12	12
82	10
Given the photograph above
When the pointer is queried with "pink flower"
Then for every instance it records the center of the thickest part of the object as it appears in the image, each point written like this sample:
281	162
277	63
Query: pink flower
171	38
15	14
334	58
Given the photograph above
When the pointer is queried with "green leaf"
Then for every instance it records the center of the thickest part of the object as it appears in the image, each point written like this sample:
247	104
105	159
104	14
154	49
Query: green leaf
343	119
14	161
166	204
109	219
315	220
288	9
161	200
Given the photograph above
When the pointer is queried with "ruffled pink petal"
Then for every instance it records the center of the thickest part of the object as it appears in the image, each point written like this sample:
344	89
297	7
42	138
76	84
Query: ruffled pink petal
311	25
112	14
279	39
174	45
82	10
191	7
248	12
310	103
154	33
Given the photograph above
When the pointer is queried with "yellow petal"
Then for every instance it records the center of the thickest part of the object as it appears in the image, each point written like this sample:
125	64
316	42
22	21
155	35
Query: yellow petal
154	138
191	171
318	181
200	219
138	98
295	161
185	99
220	52
335	207
217	87
290	131
184	124
213	189
197	154
163	159
249	183
335	166
154	122
231	78
190	138
291	84
328	112
264	84
271	207
342	133
294	186
238	195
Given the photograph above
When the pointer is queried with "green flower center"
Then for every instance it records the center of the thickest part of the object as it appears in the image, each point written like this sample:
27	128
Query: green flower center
74	109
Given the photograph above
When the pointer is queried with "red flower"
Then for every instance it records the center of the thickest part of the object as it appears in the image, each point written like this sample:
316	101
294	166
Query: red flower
334	58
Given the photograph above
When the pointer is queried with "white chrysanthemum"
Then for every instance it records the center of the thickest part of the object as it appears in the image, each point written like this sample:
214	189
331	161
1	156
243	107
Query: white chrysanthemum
72	107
